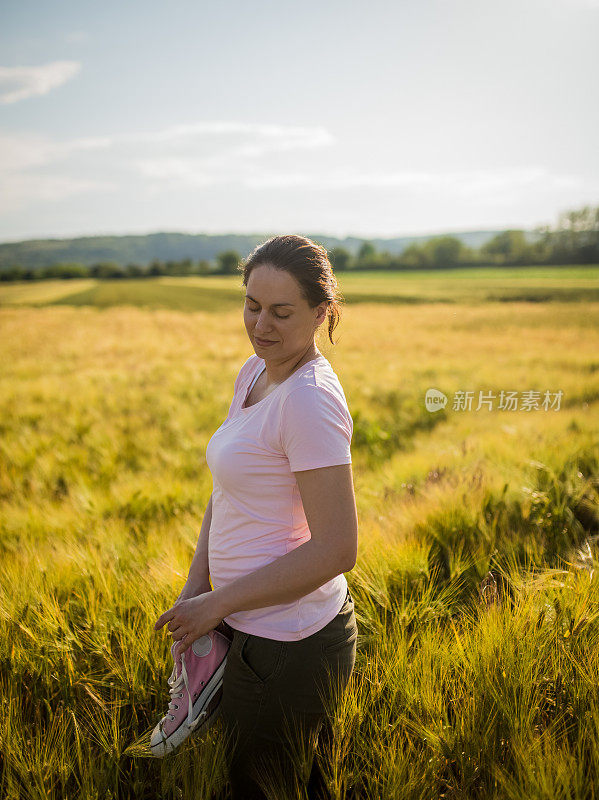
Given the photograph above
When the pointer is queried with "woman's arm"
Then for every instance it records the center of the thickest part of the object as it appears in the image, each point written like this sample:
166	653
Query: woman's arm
198	580
329	504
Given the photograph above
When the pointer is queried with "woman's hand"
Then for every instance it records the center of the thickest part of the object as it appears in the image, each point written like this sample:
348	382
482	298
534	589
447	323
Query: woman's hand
191	618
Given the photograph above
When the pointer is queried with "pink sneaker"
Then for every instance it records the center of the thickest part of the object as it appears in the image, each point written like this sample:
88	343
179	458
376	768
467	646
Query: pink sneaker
196	690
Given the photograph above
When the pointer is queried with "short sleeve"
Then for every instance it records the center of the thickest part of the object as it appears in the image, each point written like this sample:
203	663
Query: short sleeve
316	429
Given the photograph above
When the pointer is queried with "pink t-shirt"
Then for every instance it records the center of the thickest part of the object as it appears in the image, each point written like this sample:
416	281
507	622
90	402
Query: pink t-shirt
257	511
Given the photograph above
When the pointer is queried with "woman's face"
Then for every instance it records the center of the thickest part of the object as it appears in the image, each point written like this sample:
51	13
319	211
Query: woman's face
276	311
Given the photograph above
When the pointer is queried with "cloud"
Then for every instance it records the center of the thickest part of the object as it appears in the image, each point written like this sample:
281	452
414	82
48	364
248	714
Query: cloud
196	154
20	83
238	154
464	183
227	152
23	152
217	141
19	190
266	137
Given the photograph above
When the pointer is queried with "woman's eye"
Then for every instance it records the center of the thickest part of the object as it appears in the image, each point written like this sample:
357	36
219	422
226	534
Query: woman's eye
278	316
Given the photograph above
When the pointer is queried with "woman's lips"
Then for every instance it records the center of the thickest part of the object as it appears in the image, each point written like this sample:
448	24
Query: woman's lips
263	342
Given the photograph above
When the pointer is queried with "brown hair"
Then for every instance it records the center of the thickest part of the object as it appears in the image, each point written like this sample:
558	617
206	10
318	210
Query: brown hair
309	264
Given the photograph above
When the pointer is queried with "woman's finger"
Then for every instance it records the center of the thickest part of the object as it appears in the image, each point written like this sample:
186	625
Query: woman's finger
181	647
163	618
184	642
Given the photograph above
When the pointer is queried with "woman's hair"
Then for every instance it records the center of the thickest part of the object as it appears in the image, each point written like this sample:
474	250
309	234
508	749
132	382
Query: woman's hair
310	266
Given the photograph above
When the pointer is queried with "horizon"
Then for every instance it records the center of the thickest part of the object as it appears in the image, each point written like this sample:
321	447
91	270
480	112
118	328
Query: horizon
259	233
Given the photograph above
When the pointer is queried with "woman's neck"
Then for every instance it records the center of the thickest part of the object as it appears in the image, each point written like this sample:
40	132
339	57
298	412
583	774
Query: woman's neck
277	373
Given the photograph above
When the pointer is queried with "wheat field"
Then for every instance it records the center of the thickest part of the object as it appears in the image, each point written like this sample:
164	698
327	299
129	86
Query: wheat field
109	393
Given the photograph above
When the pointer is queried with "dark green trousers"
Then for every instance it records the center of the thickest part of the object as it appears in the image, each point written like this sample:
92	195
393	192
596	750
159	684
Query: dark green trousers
276	697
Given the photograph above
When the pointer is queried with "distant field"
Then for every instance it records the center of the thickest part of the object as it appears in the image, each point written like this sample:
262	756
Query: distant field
42	292
534	284
109	393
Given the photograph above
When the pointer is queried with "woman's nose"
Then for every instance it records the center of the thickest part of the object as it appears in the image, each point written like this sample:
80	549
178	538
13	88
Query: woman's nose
262	323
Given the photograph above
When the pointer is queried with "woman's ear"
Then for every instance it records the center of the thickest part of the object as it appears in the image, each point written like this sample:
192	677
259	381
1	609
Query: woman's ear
322	313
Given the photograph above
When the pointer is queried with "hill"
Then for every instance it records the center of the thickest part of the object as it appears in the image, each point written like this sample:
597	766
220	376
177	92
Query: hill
142	249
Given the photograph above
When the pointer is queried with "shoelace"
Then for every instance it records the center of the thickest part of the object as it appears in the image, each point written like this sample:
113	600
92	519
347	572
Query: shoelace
176	684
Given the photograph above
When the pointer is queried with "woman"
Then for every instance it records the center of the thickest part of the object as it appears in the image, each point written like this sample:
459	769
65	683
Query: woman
281	526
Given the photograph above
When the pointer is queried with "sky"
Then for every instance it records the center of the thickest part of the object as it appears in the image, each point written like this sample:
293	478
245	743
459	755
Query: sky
336	117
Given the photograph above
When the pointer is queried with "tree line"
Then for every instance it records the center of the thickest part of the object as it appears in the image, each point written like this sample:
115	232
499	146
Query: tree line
573	240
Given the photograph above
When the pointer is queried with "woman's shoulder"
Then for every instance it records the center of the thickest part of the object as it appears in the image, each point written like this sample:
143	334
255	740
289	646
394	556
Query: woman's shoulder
315	380
318	373
316	426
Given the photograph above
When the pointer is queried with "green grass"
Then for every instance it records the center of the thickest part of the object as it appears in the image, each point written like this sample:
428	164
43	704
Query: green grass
105	413
152	293
475	285
215	294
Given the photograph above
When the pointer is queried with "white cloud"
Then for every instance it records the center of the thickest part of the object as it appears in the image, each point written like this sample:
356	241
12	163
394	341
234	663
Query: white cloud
19	83
270	137
466	183
208	154
197	154
19	190
22	152
257	140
